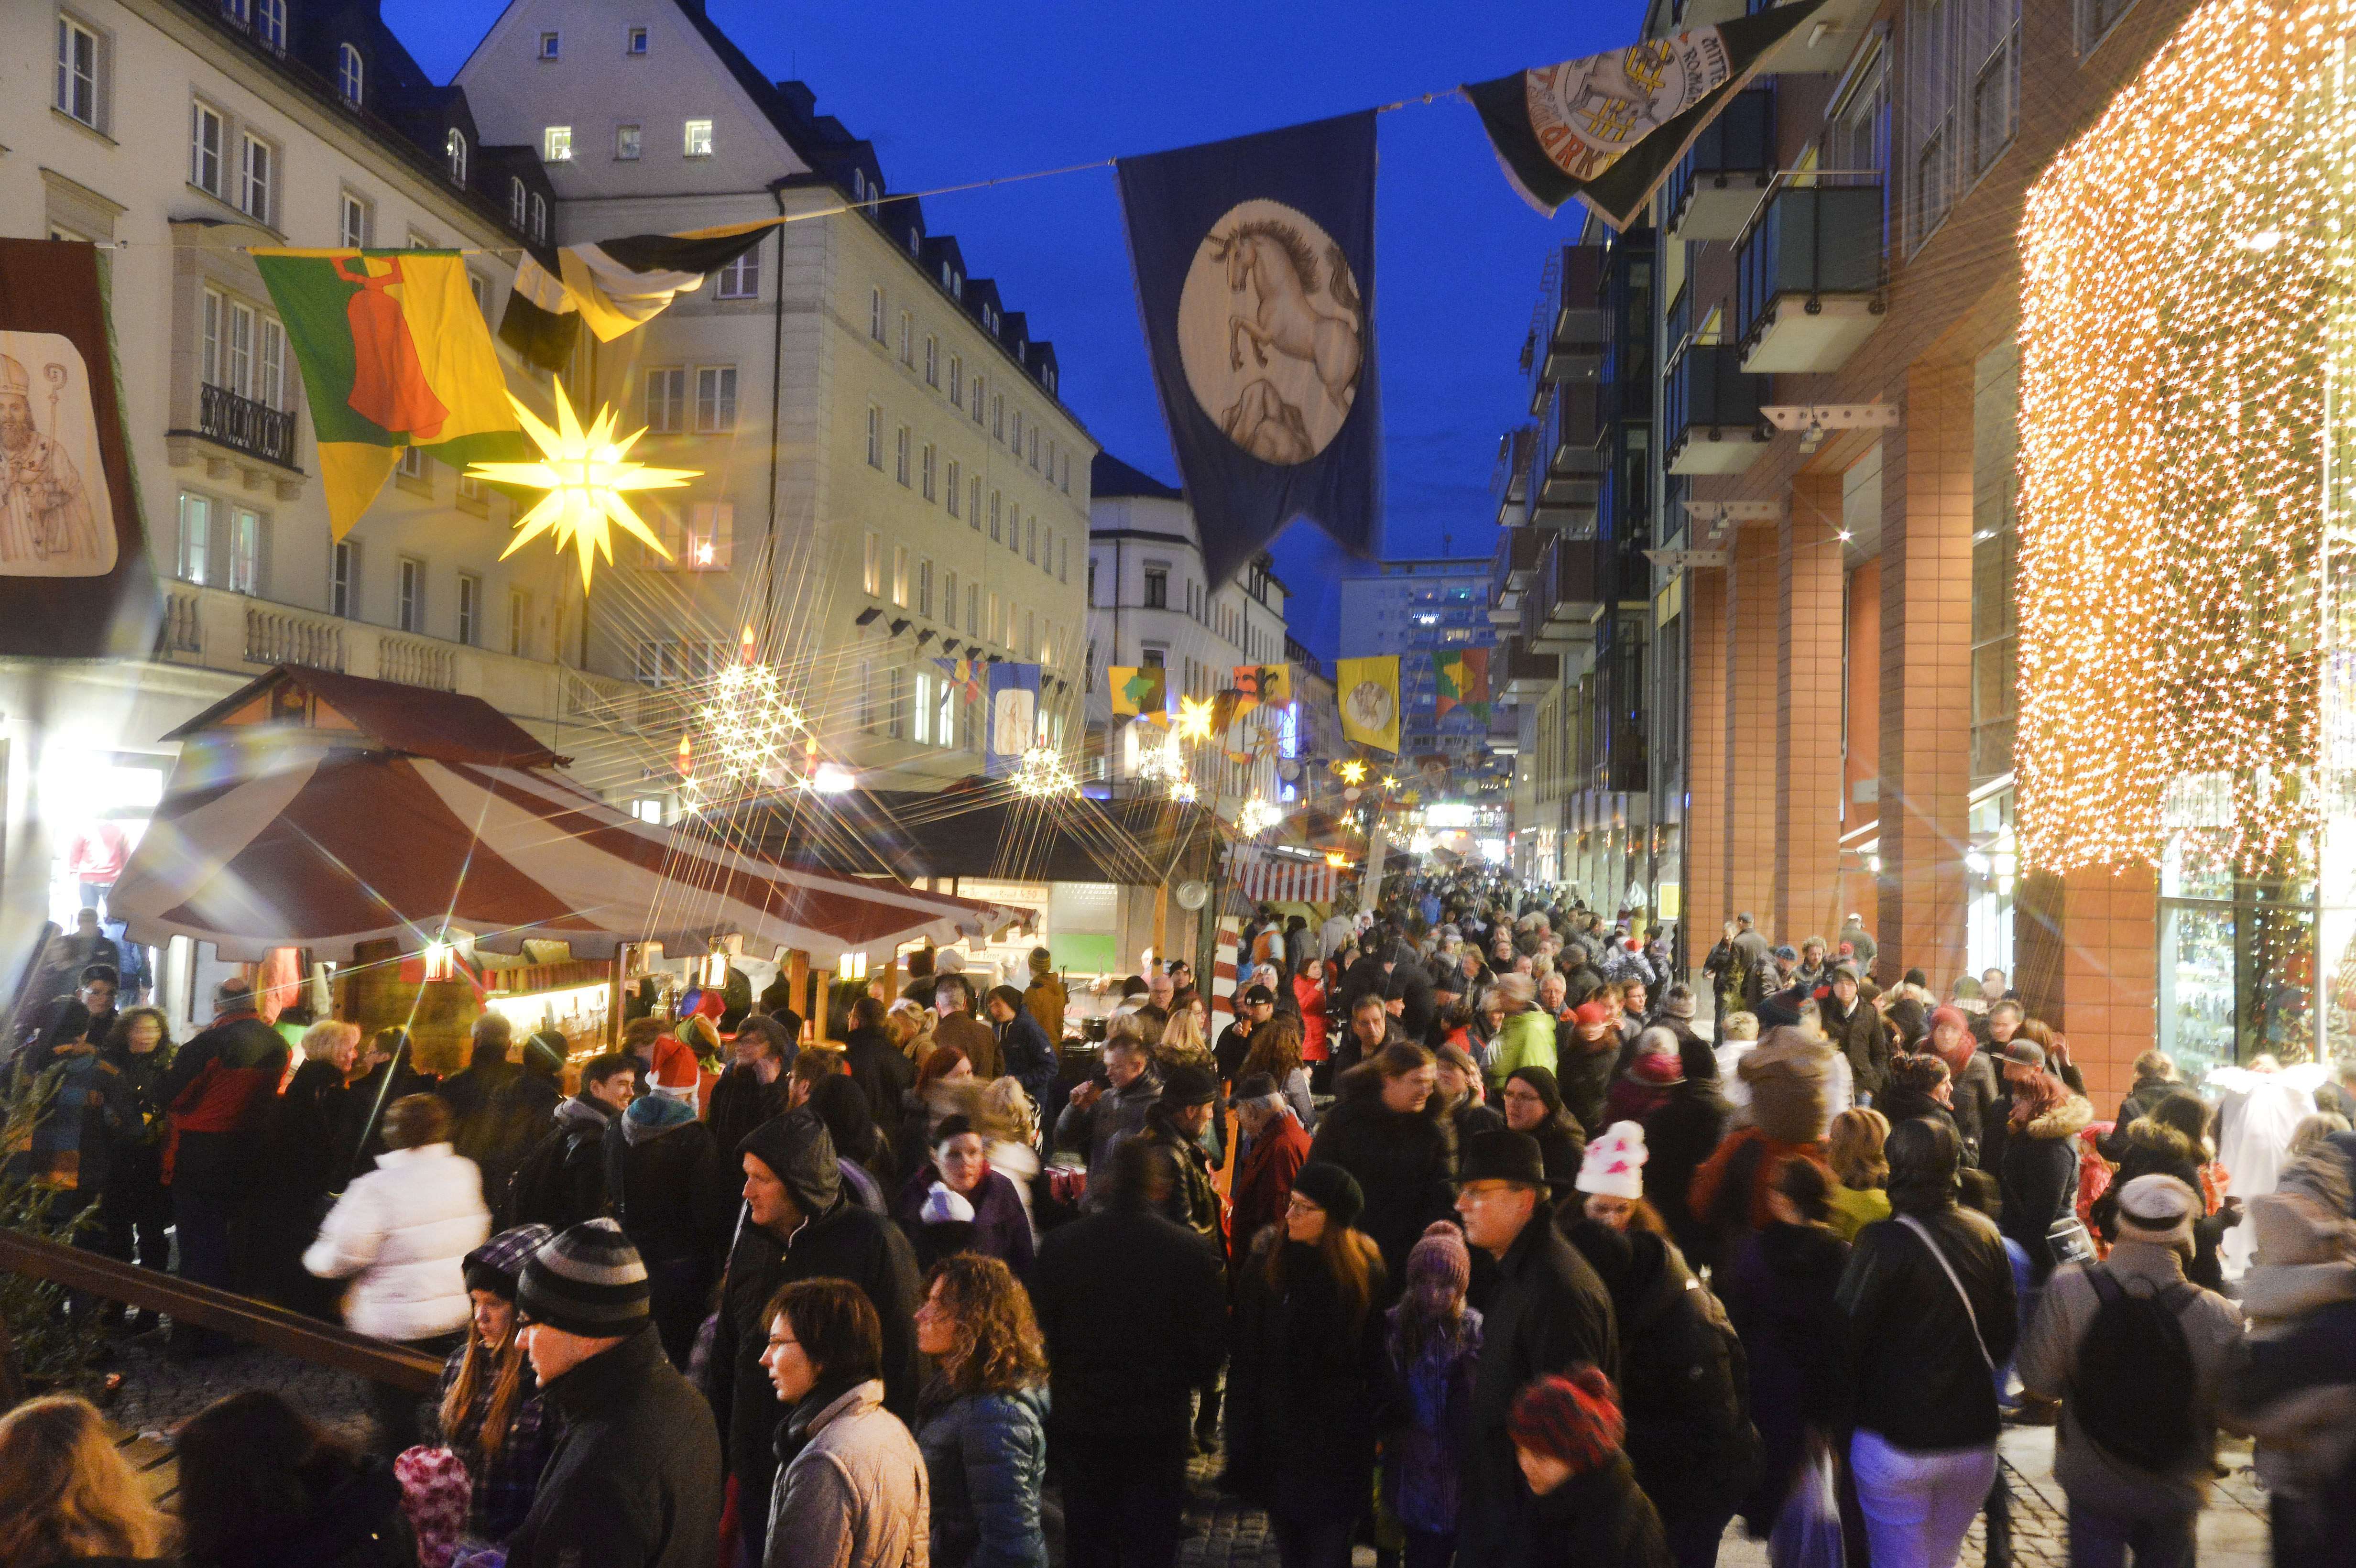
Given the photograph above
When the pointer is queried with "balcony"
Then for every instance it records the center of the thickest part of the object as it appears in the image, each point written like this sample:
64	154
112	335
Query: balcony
1716	186
1575	341
1808	278
1568	464
1511	568
238	438
1560	614
1527	673
1714	424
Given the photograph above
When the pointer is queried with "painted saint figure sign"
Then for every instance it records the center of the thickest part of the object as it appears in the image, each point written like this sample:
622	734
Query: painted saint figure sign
56	514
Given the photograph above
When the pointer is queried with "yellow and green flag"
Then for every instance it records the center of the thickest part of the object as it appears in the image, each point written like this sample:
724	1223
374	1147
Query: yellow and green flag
1139	692
1368	690
1460	679
394	353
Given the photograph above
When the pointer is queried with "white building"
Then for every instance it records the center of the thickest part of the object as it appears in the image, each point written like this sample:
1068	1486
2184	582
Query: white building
889	476
1151	603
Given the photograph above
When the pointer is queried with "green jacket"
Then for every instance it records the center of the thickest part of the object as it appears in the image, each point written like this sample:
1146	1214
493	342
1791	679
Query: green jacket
1525	1040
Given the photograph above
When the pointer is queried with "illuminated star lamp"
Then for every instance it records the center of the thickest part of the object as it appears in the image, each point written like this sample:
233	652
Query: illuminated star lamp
1042	775
1194	719
1353	771
585	474
1257	817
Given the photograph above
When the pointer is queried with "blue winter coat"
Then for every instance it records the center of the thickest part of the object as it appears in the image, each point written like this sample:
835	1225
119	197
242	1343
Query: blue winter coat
985	1461
1028	1058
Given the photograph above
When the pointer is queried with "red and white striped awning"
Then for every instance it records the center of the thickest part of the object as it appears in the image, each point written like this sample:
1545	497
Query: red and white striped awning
1269	878
327	847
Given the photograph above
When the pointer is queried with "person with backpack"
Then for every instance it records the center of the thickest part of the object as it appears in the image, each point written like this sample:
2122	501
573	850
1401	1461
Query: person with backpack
561	1182
2139	1357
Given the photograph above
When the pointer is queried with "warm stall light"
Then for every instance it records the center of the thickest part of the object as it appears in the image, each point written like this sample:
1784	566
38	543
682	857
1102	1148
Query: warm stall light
440	961
852	967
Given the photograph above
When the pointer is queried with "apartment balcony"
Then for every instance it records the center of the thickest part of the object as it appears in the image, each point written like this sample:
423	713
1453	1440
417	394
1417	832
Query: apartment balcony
1575	341
1560	615
1716	186
1809	278
1568	461
1528	674
1712	407
1511	567
236	438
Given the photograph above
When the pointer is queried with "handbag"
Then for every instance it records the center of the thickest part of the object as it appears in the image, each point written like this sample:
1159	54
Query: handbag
1807	1532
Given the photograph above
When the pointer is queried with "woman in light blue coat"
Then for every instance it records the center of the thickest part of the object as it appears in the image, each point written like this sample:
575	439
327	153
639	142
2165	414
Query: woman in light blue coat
981	1423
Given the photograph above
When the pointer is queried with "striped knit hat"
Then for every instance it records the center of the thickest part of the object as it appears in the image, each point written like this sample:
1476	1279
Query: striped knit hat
588	1281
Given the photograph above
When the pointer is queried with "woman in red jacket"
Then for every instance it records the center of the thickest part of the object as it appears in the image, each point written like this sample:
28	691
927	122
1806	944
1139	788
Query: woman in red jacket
1309	997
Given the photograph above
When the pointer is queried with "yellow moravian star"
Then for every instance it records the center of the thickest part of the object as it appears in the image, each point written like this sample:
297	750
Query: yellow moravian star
585	474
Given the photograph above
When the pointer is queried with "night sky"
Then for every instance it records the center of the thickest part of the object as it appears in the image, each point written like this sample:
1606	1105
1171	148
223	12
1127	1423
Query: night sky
956	92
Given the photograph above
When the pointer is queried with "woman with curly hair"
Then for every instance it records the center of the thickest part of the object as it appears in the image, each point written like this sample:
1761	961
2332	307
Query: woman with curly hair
1276	1050
982	1422
66	1494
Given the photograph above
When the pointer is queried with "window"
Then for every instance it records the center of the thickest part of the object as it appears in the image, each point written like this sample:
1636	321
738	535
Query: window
998	416
907	340
953	487
552	46
470	608
944	713
1014	529
453	147
518	624
991	635
977	400
949	599
1034	448
630	141
270	24
352	221
556	145
924	588
410	605
662	663
922	734
973	512
633	41
993	517
1064	561
514	204
666	402
871	572
419	241
1092	583
956	379
344	581
1067	480
874	438
472	492
205	148
1016	425
539	216
741	279
697	137
77	78
270	366
705	541
972	610
350	79
1031	541
1963	96
1157	588
932	361
900	575
195	537
715	399
875	315
900	454
926	468
411	463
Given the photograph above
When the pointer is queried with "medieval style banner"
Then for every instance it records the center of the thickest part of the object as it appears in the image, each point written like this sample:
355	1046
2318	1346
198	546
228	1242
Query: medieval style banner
1255	263
75	580
1013	717
1610	128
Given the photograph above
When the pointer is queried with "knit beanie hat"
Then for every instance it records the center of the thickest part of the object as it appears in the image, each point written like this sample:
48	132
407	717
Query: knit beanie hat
1592	1013
1439	1261
588	1281
1331	1188
2158	1210
1614	1163
494	1265
1677	1002
1574	1420
1739	1026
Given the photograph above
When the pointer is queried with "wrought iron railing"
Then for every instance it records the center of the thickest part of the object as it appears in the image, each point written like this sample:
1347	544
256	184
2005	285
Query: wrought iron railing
243	425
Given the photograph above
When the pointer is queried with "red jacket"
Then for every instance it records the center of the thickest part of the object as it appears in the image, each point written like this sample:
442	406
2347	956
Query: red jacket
1263	1183
1309	996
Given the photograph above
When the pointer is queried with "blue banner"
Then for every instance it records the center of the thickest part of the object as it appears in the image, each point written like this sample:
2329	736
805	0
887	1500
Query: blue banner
1255	261
1013	722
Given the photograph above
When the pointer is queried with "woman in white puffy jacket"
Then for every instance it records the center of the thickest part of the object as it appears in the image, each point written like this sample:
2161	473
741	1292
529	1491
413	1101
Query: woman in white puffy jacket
400	1234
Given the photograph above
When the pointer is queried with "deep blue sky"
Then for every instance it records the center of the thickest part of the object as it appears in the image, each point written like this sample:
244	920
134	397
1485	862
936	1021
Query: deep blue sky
951	93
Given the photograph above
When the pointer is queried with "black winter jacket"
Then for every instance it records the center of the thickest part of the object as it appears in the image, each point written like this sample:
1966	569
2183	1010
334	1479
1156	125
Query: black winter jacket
1779	1291
1543	1311
1860	1038
1678	1136
669	1189
2138	1103
636	1479
471	1094
308	1148
522	1110
1302	1390
837	1240
1134	1311
1404	1163
883	1072
1599	1519
1910	1369
358	1524
2040	1175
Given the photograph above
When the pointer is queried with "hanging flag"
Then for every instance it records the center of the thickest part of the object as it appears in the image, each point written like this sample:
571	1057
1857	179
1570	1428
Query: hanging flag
1255	264
616	285
1462	680
394	354
1609	128
1268	683
1013	716
75	579
1142	691
963	674
1368	690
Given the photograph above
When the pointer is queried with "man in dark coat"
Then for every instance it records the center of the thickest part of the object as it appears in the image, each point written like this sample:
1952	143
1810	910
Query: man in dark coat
223	1094
1133	1310
471	1093
800	1225
1409	986
1255	1005
882	1071
1024	1052
665	1182
1854	1026
1544	1312
635	1482
522	1111
561	1182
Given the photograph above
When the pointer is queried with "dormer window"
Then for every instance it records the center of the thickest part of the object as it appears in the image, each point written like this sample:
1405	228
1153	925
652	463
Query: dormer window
635	41
552	46
454	145
351	78
858	185
915	240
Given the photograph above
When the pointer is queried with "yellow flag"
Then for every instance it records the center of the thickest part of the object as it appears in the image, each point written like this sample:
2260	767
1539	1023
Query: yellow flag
1368	689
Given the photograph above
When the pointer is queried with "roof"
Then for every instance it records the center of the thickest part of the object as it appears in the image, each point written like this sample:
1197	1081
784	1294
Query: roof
909	834
411	719
1109	475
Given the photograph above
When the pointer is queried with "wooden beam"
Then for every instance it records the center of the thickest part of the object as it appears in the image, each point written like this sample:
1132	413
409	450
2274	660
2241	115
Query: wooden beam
271	1328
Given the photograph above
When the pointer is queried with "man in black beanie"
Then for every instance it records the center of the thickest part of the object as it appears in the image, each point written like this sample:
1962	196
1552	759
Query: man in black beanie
636	1480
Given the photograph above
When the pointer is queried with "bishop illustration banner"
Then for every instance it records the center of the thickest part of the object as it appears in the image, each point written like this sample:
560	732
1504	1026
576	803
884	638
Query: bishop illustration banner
1609	128
1368	690
1255	264
1013	717
394	354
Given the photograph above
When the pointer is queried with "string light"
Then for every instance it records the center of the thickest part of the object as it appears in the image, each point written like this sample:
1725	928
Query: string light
2187	584
1042	775
747	724
585	473
1257	817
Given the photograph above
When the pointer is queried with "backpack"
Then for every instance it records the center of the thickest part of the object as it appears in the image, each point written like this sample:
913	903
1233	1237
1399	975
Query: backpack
2132	1391
541	1192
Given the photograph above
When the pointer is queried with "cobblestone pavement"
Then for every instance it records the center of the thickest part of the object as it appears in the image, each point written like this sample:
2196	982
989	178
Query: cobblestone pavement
157	1393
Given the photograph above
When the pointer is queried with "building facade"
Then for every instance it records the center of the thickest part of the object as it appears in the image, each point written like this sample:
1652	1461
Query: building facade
1415	609
889	476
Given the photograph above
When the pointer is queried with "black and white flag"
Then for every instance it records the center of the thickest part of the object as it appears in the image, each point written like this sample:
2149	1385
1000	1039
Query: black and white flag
616	285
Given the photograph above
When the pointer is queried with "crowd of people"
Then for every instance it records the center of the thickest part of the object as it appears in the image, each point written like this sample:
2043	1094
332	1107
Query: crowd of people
1471	1232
